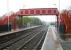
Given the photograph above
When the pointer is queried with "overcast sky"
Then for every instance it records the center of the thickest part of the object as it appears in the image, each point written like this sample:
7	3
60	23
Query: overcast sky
14	5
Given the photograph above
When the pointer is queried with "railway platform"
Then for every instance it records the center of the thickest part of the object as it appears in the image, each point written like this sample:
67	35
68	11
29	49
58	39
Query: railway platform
51	41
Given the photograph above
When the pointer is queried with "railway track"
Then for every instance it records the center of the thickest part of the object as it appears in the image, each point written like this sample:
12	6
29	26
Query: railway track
36	42
30	39
6	37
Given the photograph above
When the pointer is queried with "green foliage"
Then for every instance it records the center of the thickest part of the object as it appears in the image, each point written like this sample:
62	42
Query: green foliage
18	21
36	21
26	20
31	20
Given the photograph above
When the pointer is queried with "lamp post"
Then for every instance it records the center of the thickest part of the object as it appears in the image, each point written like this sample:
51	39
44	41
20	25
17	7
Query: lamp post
7	12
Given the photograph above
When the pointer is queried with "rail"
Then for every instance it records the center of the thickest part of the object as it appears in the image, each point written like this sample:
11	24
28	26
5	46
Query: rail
25	39
18	30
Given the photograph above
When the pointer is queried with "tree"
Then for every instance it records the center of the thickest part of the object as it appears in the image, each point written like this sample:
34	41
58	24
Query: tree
22	21
36	21
26	20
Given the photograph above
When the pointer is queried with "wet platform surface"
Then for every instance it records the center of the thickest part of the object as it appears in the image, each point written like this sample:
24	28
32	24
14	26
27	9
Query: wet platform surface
51	41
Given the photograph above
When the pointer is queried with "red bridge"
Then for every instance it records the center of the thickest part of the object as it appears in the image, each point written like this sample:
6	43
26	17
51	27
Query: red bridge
27	12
